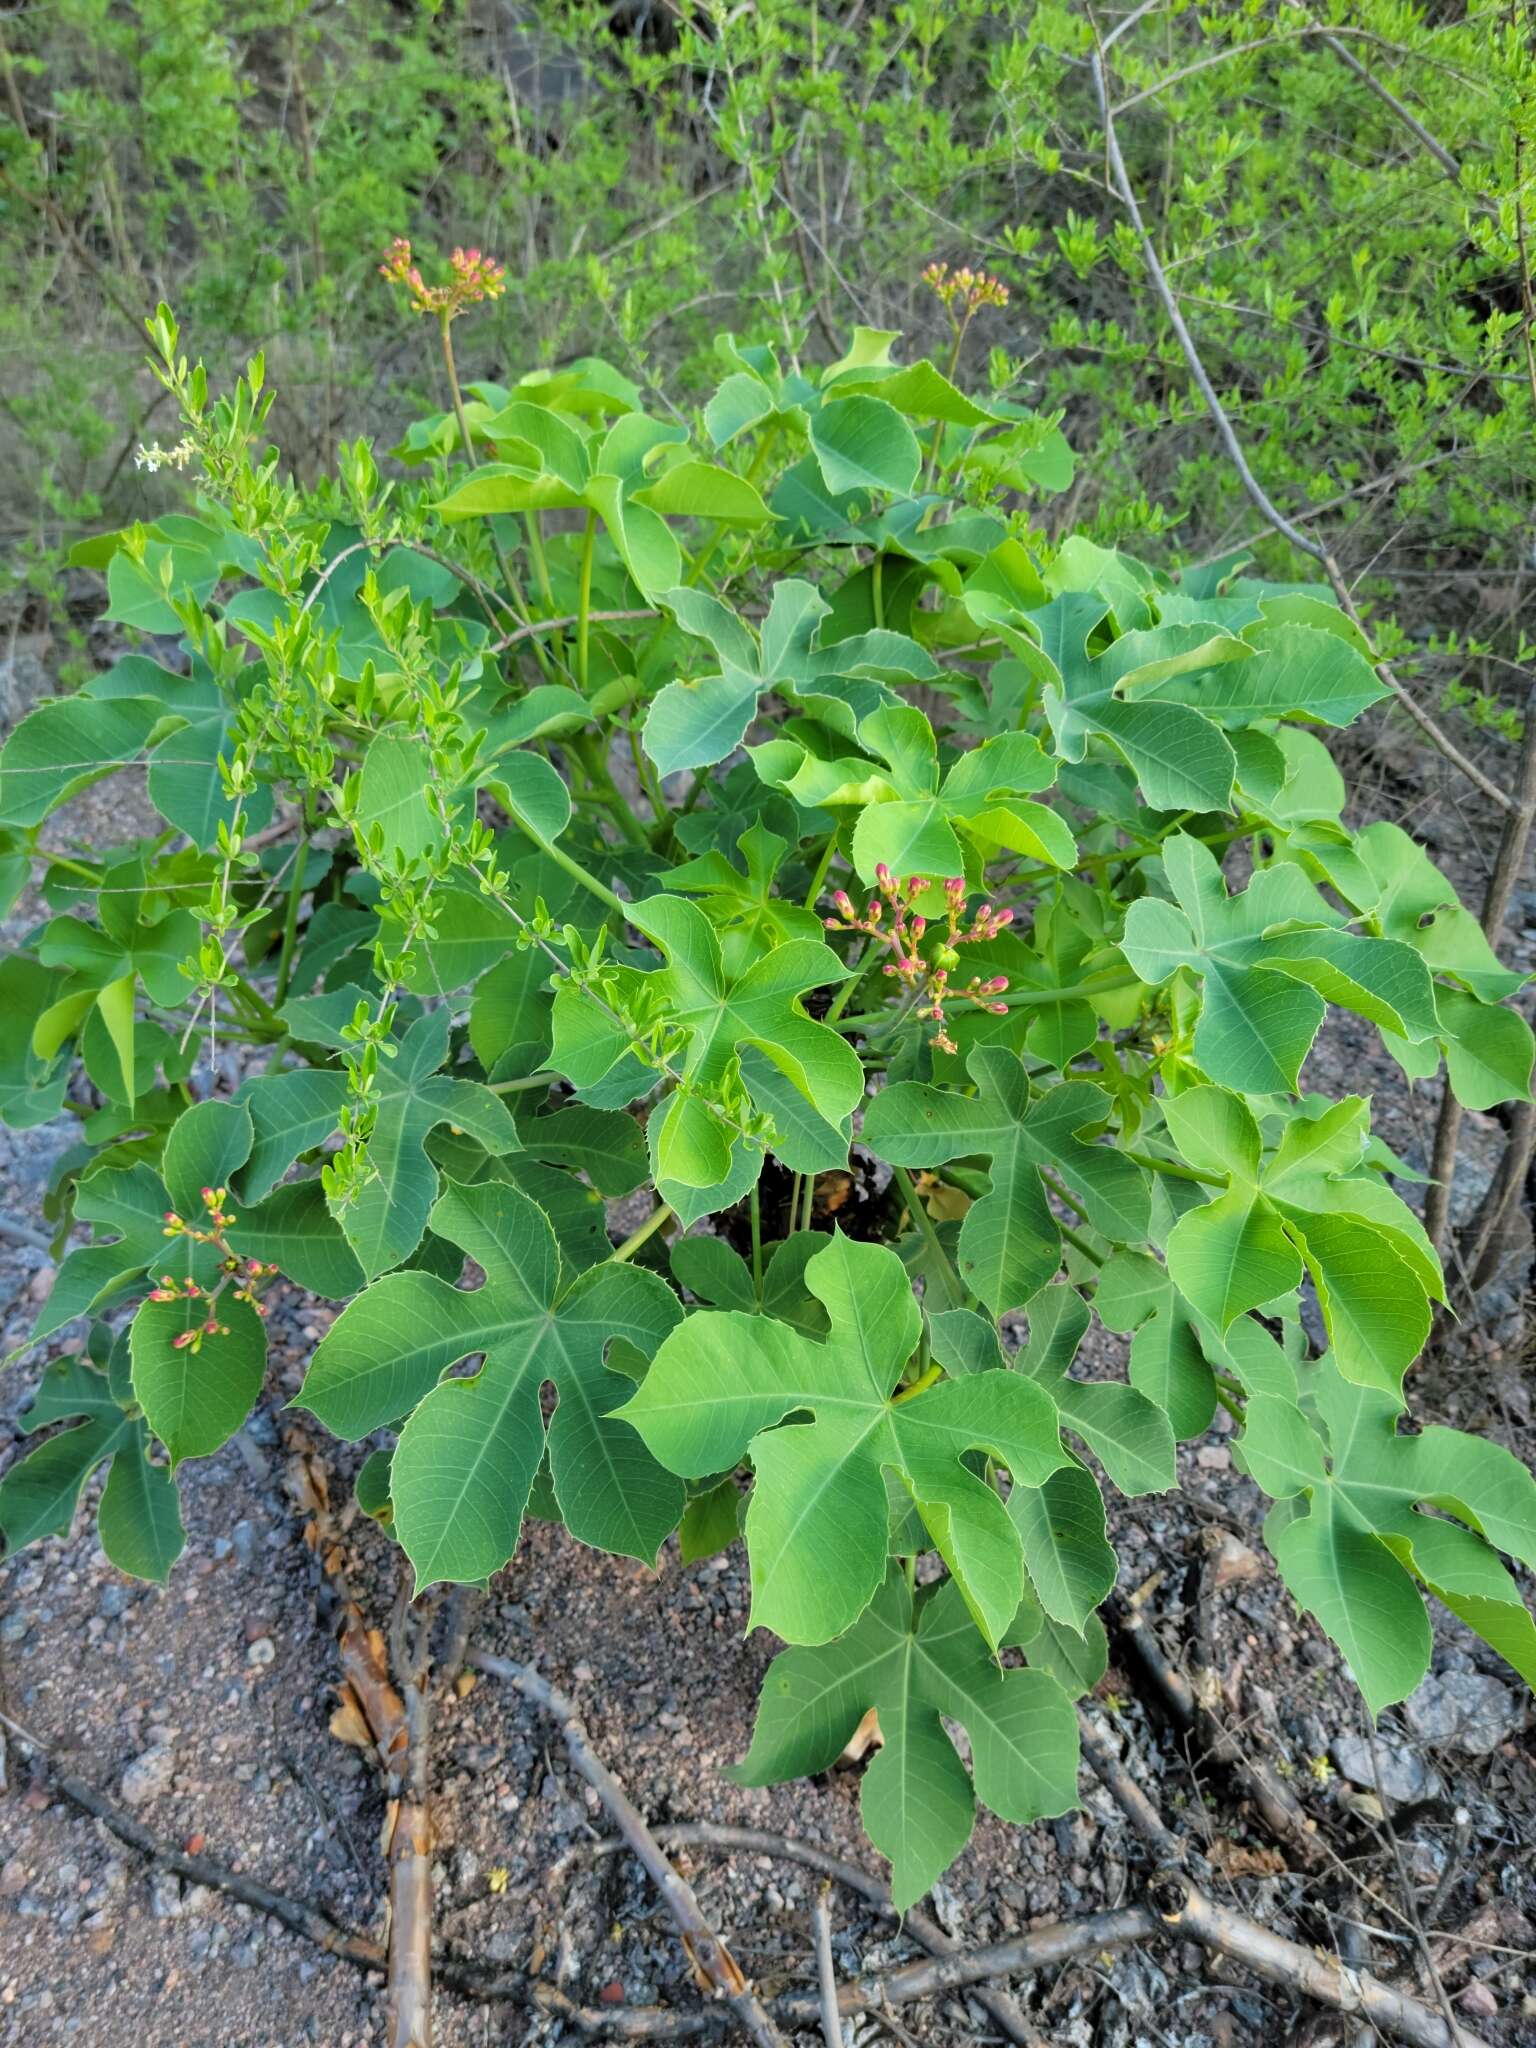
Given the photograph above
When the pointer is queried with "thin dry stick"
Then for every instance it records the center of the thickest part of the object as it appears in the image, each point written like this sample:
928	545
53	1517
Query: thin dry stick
1186	1909
1426	1960
826	1971
705	1947
1508	862
1043	1948
1409	119
1192	1706
1183	1906
303	1916
1228	438
1000	2006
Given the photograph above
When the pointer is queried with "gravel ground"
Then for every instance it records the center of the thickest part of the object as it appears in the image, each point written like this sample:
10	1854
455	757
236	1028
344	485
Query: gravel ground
204	1706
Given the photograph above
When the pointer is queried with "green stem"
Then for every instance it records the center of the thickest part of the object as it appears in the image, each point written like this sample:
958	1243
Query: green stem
70	867
877	588
527	1081
588	749
584	603
291	910
850	987
1172	1168
648	1229
1016	999
925	1224
535	531
820	875
573	868
258	1005
920	1385
509	574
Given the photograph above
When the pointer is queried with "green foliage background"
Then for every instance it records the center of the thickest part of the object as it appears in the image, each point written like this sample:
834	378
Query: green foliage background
649	179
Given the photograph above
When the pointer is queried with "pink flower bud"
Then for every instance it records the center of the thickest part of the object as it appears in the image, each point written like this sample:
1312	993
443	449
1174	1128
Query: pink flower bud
883	875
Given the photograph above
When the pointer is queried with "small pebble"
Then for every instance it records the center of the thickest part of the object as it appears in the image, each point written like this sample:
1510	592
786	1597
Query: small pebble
148	1777
262	1651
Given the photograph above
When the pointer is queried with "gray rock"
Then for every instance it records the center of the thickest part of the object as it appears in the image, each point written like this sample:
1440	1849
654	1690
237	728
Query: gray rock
1463	1710
148	1776
243	1542
1405	1777
245	1955
165	1901
113	1600
14	1628
261	1652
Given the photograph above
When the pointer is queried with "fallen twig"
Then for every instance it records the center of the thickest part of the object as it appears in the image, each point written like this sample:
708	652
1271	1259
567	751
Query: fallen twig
303	1916
1182	1905
1192	1702
708	1952
1186	1909
1043	1948
1510	1179
999	2005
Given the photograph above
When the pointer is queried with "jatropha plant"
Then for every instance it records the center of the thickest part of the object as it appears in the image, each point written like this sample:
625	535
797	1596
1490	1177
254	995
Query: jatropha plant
616	798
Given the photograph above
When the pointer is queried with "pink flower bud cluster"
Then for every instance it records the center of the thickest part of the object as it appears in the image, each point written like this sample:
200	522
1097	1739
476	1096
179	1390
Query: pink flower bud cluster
241	1275
907	930
474	278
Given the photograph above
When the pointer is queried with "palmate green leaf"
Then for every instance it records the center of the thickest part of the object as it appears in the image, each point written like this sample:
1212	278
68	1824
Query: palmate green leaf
471	1446
139	1518
917	1670
1010	1242
1412	902
912	821
1269	961
1297	668
1314	1207
820	1485
140	941
1353	1541
31	1085
740	901
384	1221
761	1008
183	782
126	1209
695	723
